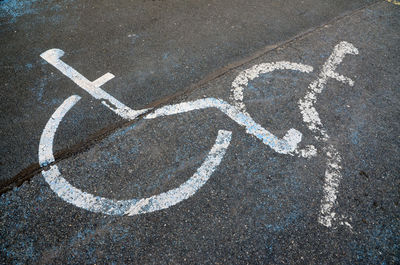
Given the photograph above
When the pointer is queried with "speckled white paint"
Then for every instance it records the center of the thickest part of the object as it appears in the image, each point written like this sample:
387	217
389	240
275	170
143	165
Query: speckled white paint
46	140
306	104
311	118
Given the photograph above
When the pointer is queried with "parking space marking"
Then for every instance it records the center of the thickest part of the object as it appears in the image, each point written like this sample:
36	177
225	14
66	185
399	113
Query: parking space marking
71	194
237	112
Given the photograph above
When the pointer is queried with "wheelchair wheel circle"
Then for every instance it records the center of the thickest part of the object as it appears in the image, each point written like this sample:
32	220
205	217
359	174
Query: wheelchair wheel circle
98	204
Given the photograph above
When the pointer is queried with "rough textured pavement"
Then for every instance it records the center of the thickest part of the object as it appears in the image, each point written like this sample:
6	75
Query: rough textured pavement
259	206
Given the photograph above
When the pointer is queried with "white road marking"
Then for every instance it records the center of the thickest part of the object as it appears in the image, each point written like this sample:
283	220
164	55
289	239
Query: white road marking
164	200
309	114
242	80
67	192
311	118
307	152
46	140
283	146
88	201
53	56
103	79
191	186
238	113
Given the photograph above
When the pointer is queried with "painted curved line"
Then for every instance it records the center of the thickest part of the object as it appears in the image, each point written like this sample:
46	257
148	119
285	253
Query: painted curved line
93	203
243	78
46	140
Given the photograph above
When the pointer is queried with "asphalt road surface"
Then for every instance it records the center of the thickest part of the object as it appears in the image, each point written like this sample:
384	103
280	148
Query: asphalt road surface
225	132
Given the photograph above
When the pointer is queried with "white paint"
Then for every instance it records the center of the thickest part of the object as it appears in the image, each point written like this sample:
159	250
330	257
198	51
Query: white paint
330	188
93	203
284	146
164	200
306	105
309	114
53	56
342	221
311	118
308	152
287	145
46	140
191	186
242	80
103	79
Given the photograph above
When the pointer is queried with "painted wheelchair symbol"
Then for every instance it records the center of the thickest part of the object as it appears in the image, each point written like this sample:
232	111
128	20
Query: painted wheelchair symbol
237	112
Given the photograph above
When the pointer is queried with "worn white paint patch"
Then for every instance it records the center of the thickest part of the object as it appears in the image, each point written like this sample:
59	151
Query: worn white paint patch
88	201
306	104
313	121
330	188
53	56
307	152
284	146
